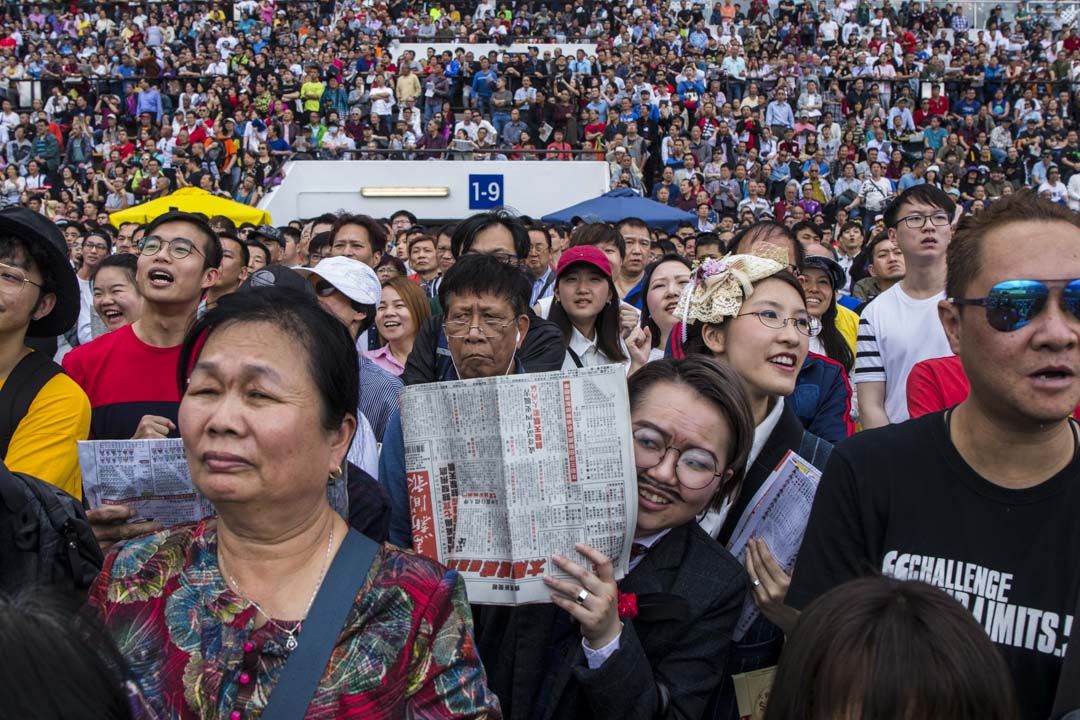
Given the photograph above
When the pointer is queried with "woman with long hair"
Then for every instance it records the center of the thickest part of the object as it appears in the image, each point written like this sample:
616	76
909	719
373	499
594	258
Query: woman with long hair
586	309
749	311
402	309
663	282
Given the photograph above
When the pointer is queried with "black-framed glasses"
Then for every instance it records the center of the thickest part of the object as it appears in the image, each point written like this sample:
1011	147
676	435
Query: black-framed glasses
13	280
695	468
917	221
502	256
179	248
1012	304
489	327
808	326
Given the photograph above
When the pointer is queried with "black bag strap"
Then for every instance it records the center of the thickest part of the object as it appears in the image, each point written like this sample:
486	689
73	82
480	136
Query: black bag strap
21	387
291	696
574	356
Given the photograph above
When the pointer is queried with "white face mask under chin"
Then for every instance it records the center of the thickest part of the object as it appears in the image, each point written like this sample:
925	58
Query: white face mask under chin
517	339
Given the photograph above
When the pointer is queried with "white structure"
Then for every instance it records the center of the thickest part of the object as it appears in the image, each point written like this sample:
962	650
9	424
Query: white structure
440	190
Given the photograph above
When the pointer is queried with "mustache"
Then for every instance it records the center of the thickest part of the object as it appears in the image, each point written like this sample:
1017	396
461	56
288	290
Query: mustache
669	492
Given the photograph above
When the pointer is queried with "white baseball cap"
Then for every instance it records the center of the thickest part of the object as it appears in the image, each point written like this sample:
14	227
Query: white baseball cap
356	280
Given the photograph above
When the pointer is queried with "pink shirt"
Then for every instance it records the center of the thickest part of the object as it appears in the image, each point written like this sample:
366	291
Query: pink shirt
385	359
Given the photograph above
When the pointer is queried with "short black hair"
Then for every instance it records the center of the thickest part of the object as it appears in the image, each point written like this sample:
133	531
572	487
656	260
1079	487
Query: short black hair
331	353
258	246
212	250
467	230
807	225
707	239
320	243
290	231
483	274
245	253
406	214
924	193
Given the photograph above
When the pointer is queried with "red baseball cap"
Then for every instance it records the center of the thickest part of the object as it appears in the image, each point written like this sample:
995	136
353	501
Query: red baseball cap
587	254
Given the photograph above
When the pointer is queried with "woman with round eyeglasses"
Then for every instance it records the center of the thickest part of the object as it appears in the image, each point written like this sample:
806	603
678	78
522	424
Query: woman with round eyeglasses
749	311
659	637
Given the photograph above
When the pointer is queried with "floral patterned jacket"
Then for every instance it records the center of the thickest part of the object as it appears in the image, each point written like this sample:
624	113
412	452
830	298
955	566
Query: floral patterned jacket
406	649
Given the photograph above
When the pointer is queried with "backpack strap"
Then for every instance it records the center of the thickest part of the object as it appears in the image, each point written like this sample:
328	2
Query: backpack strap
21	387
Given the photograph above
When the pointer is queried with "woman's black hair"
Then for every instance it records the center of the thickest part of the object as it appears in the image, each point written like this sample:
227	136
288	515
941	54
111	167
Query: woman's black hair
331	353
718	384
890	650
836	347
608	338
646	314
467	230
125	261
57	664
483	274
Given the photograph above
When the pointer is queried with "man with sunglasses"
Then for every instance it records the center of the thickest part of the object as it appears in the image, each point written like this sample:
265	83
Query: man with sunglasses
900	327
980	500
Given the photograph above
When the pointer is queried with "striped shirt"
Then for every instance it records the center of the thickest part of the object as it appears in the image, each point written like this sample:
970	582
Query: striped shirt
895	332
379	392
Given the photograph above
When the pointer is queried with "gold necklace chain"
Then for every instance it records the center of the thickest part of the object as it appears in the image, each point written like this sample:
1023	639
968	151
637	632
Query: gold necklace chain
291	642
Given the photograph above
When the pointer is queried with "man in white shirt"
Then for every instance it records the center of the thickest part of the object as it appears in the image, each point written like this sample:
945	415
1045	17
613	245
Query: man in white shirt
901	327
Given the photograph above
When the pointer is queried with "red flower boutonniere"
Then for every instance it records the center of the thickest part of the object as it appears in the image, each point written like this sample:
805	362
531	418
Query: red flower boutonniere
627	604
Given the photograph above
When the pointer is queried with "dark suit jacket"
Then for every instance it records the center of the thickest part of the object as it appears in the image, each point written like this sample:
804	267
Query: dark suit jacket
665	669
761	645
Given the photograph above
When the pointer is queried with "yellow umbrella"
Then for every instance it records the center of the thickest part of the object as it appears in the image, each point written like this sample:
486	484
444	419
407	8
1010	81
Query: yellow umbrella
191	200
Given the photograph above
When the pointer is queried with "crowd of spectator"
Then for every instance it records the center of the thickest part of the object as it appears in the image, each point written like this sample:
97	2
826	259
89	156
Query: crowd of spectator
781	111
880	276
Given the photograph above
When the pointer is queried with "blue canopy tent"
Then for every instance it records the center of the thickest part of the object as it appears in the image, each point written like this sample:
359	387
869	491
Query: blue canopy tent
622	203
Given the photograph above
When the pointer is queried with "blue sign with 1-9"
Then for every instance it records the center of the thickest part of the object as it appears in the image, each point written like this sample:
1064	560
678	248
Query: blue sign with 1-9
485	192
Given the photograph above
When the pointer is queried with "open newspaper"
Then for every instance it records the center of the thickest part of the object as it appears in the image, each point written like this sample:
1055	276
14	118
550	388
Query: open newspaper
777	514
152	477
505	472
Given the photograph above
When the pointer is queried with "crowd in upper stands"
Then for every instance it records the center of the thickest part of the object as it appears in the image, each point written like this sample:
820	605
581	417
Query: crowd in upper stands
818	112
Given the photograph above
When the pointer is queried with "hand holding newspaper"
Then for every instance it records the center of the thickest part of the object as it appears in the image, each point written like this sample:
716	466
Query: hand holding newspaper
777	514
505	472
149	475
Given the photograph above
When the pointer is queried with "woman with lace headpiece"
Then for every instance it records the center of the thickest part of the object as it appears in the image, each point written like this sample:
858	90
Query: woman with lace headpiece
749	310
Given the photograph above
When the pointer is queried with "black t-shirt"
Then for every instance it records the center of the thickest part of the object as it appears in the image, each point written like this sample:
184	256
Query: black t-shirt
902	501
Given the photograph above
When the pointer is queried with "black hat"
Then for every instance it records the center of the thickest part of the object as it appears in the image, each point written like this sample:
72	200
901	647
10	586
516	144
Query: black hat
36	230
831	268
277	276
269	232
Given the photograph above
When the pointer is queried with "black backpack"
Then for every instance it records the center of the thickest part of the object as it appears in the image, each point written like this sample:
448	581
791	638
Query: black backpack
45	538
